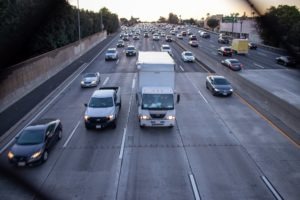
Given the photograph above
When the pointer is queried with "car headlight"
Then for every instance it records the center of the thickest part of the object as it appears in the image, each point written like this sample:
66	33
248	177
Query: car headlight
10	155
144	117
94	82
111	117
171	117
217	90
231	90
37	154
82	82
86	117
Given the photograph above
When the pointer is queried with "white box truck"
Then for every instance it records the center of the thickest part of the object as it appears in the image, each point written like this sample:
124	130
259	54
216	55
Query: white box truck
156	89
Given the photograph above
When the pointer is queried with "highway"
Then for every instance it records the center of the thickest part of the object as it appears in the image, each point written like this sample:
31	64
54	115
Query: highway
220	148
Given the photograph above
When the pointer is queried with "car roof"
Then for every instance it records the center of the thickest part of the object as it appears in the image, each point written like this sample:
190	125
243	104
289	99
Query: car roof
187	52
232	59
111	49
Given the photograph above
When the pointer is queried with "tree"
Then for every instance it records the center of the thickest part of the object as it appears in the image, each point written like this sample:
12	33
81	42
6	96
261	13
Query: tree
212	23
162	19
277	24
173	19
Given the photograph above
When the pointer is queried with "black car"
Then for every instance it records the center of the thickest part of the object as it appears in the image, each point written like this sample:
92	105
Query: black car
32	145
233	64
252	45
286	60
193	37
218	85
130	50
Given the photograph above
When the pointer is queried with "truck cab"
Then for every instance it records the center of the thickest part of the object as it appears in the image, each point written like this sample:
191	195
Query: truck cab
103	108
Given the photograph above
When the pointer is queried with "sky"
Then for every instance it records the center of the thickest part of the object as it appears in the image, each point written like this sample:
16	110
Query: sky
151	10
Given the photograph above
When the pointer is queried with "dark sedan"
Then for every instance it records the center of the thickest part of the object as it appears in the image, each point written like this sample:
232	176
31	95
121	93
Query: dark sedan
218	85
286	60
252	45
233	64
34	142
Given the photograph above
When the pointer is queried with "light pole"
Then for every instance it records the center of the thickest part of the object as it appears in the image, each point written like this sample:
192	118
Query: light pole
78	19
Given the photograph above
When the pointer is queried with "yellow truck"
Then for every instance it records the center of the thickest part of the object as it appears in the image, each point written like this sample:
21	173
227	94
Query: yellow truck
240	46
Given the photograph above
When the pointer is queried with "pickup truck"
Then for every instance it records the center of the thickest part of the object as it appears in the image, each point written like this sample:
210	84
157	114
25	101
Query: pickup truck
103	108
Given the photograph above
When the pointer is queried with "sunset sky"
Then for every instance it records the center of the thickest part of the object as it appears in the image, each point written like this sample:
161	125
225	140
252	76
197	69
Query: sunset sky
151	10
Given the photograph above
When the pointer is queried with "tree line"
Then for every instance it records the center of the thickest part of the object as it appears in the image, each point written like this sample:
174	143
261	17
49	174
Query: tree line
32	27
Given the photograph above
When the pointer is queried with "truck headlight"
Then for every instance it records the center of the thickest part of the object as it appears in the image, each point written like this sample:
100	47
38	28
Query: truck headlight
171	117
86	117
36	155
111	117
144	117
10	155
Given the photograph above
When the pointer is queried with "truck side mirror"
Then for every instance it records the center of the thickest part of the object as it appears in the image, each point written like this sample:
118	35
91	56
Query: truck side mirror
178	98
85	104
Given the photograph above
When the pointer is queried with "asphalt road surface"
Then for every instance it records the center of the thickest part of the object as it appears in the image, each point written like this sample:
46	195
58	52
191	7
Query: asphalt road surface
220	147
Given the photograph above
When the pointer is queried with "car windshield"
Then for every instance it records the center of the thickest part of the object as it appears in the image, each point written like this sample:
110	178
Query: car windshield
227	49
166	48
89	75
130	48
234	62
220	81
188	54
31	137
97	102
111	51
157	101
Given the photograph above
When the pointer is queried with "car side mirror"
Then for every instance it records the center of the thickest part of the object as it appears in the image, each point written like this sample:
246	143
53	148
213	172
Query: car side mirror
178	98
85	104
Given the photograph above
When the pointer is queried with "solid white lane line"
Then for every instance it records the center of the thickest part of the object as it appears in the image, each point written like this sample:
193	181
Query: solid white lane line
271	188
133	83
123	144
71	135
194	186
181	68
117	61
257	65
105	81
125	129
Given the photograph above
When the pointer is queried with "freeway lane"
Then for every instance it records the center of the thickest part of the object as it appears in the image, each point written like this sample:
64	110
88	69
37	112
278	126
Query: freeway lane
222	143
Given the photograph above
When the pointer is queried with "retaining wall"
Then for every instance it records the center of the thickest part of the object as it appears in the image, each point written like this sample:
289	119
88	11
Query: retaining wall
26	76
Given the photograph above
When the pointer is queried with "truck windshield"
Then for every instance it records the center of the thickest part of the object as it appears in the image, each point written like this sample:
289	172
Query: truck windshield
158	101
105	102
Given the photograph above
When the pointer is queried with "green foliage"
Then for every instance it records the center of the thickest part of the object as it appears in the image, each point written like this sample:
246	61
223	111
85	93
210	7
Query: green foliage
212	23
32	27
280	26
173	19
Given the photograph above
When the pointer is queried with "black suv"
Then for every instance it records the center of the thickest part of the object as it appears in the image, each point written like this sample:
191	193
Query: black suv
130	50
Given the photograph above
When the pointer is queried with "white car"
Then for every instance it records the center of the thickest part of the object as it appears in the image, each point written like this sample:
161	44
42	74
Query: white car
90	80
179	36
188	56
166	48
155	37
111	54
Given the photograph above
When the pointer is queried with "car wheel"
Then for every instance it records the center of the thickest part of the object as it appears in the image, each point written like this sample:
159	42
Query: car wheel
45	156
114	124
207	86
59	134
87	126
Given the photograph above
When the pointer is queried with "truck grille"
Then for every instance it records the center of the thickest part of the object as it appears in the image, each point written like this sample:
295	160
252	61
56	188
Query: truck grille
98	120
157	116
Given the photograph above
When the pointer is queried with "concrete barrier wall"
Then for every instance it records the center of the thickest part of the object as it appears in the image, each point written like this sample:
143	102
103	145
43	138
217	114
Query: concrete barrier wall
26	76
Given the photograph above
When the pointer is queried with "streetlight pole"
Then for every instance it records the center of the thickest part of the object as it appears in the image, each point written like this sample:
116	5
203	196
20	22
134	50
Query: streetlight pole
78	20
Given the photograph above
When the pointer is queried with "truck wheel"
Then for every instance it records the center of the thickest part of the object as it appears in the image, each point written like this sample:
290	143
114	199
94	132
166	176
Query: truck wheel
114	124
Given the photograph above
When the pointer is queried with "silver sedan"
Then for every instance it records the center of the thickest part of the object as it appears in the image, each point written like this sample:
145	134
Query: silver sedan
90	80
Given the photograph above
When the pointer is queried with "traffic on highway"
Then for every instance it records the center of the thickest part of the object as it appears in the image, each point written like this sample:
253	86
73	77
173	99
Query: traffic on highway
158	112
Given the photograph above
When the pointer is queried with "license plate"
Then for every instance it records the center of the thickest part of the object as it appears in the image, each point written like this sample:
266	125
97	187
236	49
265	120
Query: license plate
21	164
157	122
98	126
224	93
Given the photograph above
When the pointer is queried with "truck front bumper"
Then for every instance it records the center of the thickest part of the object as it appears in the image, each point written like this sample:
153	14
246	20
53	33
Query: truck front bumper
157	123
